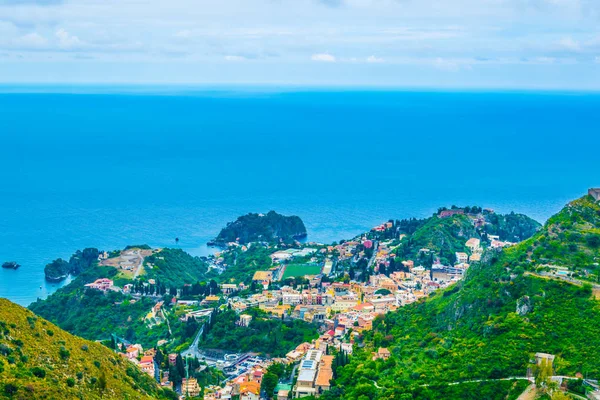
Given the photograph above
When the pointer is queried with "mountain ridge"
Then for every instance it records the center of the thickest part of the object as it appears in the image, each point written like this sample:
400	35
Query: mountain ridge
38	360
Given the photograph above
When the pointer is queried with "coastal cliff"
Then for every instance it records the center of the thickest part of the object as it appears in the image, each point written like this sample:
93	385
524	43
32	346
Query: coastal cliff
268	227
60	269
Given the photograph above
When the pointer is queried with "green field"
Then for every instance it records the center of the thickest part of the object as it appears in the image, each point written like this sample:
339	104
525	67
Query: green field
301	270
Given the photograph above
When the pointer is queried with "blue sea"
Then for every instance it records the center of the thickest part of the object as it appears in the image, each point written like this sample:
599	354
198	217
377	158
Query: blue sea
107	167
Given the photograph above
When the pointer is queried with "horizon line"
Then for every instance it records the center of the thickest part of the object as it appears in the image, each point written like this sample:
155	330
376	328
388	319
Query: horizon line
205	86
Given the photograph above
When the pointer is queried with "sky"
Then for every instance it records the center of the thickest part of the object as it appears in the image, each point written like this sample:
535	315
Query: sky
538	44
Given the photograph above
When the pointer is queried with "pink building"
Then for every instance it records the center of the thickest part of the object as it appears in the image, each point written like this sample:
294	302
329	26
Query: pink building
101	284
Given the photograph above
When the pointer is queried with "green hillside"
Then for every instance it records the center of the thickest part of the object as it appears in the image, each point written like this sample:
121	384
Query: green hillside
175	268
95	315
490	325
38	360
571	239
446	236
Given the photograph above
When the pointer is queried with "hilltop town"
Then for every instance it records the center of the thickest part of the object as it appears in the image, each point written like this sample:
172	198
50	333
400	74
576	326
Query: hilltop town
332	292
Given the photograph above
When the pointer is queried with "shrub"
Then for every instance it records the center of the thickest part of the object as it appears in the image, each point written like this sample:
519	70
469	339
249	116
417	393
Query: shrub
39	372
64	353
10	389
85	347
5	350
70	382
50	332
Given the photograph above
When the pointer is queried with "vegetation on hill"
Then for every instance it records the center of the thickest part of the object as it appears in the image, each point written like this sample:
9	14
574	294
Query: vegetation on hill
265	335
59	269
95	315
241	265
571	239
175	267
38	360
510	227
486	327
268	227
446	236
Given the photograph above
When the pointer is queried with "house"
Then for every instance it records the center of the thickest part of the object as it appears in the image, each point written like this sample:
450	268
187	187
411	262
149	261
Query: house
283	394
475	257
382	354
245	320
190	387
132	352
102	284
473	244
342	303
228	288
305	385
148	365
210	300
250	391
324	374
461	257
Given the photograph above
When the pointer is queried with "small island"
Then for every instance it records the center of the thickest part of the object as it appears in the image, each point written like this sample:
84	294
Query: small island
270	227
11	265
60	269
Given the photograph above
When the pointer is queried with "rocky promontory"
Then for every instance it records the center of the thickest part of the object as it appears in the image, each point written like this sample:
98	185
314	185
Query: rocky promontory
268	227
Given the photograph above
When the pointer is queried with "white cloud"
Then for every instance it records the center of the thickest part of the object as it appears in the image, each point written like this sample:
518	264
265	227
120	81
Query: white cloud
545	60
323	57
184	34
451	65
235	58
33	40
374	59
570	44
597	60
66	40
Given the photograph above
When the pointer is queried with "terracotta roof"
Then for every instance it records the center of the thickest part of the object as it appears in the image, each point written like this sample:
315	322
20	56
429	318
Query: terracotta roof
250	387
325	374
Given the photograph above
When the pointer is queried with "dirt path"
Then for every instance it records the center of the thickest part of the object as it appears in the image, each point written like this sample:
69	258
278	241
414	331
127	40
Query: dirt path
529	393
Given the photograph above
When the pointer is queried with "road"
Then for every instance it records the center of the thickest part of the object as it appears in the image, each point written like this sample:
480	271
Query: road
193	349
139	267
372	259
500	379
563	278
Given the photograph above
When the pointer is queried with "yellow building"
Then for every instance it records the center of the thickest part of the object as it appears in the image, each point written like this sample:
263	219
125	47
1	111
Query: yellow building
190	387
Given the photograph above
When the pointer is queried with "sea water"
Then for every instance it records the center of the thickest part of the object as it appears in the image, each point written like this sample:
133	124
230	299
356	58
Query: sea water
108	167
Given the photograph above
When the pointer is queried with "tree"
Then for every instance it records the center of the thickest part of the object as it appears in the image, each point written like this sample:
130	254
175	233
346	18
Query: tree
269	382
543	373
179	365
558	395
